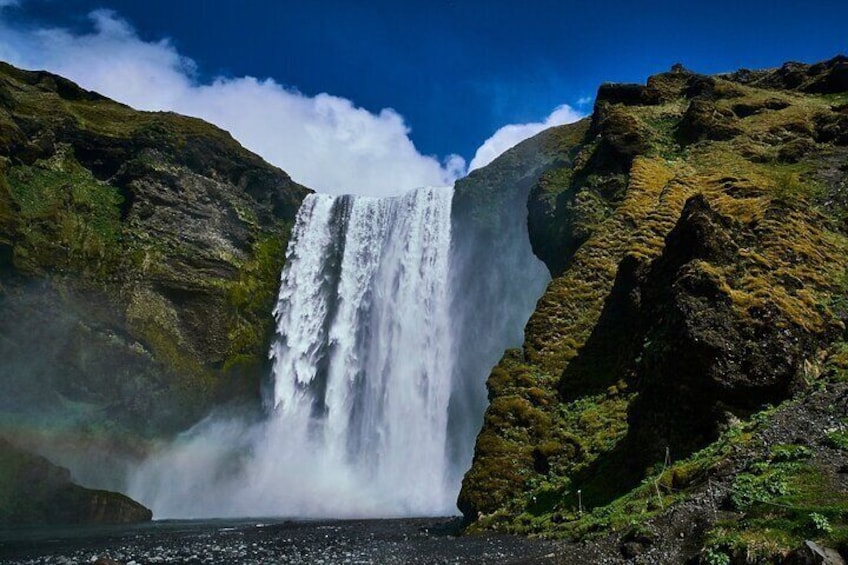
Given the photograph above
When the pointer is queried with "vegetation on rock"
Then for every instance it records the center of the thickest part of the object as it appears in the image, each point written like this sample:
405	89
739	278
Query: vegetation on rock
697	232
140	255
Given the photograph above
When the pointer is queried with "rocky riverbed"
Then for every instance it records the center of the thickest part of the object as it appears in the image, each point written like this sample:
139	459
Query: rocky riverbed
406	541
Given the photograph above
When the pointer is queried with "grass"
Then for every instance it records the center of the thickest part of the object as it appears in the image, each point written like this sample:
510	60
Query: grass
787	259
59	222
779	499
553	509
781	507
251	297
65	216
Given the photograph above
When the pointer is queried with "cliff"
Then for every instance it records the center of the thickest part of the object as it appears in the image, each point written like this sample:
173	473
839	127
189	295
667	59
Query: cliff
34	491
696	231
140	255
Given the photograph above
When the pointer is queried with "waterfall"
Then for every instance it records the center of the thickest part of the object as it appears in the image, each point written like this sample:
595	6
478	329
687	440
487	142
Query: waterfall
357	417
386	331
362	359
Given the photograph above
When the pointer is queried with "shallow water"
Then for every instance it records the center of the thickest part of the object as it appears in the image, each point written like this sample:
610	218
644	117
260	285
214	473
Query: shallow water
413	541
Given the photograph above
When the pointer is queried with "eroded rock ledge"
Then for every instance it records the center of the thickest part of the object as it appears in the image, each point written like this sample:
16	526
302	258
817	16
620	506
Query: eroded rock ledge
696	230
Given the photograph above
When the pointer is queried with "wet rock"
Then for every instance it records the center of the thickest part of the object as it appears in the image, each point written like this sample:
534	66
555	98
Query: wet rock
34	491
106	561
631	549
812	553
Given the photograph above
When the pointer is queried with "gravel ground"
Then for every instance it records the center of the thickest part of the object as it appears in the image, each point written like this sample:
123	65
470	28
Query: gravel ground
678	532
340	542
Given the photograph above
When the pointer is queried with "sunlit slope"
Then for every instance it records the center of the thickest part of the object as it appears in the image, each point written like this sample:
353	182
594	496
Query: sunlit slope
139	259
697	235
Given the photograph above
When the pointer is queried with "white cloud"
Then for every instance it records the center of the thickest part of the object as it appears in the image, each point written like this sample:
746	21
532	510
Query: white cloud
509	136
323	141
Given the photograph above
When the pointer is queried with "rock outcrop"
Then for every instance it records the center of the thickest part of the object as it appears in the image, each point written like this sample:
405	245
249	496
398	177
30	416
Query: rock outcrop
140	255
34	491
696	232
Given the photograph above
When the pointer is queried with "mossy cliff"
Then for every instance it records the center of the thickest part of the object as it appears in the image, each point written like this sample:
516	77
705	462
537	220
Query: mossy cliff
696	229
140	255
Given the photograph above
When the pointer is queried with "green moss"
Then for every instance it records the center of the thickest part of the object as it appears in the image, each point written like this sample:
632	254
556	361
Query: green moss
156	322
251	297
192	304
838	439
8	216
65	217
784	498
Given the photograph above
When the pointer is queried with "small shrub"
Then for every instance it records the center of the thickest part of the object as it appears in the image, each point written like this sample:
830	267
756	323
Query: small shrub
748	489
715	556
838	439
790	452
820	523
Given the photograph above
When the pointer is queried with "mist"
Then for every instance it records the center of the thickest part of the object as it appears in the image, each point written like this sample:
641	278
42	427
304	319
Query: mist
372	152
497	281
74	386
355	426
358	404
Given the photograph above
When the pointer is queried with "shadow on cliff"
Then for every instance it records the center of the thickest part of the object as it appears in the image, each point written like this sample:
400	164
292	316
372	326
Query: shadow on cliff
669	332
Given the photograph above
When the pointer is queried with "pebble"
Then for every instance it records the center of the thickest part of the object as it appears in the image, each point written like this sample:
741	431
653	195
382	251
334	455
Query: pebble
361	542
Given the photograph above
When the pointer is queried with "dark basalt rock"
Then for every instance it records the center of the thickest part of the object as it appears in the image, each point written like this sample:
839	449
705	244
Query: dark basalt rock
745	109
832	128
156	236
704	120
621	93
665	87
693	285
621	138
106	561
827	77
34	491
669	329
710	356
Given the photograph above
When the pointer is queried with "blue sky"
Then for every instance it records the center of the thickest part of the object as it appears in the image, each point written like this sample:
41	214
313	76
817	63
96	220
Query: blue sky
453	71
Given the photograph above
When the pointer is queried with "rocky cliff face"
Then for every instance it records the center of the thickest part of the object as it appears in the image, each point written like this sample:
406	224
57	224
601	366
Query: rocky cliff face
139	259
696	230
34	491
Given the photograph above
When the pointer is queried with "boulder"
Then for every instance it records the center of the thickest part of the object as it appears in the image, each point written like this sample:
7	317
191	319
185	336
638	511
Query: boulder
812	553
704	120
35	491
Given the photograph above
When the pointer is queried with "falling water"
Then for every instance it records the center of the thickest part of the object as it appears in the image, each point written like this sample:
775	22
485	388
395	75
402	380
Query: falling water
362	362
357	419
386	331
